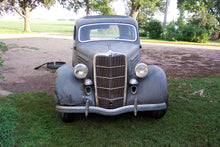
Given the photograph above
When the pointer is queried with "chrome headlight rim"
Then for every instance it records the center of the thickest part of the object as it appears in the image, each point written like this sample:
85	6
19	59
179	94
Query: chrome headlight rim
141	70
80	71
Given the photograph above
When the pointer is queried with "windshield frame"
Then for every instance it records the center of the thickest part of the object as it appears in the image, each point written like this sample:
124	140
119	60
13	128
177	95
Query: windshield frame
133	40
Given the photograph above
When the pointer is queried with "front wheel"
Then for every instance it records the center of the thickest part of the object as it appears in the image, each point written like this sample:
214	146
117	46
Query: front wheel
66	117
160	113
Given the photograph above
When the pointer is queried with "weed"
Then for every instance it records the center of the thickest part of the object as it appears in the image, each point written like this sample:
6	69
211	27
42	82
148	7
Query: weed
34	48
3	47
27	47
53	70
14	45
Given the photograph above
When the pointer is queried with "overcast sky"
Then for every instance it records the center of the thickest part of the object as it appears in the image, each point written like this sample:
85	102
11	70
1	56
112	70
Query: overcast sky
58	12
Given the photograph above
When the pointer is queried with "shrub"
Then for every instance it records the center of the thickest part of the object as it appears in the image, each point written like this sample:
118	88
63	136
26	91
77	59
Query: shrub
171	31
155	29
193	33
142	24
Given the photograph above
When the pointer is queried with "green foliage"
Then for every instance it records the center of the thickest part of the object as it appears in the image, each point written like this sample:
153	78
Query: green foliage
155	29
192	120
3	47
198	29
148	7
193	33
100	6
14	5
142	24
171	31
212	6
204	22
203	19
23	8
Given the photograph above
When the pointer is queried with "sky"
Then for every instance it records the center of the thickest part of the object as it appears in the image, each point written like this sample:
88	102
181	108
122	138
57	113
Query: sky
58	12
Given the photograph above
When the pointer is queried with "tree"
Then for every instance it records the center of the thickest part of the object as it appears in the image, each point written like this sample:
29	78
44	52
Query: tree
165	13
150	6
165	18
212	6
155	29
24	7
142	20
205	20
100	6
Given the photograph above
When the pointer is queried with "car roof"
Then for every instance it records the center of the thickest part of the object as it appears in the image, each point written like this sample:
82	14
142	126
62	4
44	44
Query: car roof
104	19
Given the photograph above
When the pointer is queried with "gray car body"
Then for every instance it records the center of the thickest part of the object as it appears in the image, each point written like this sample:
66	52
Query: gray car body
151	92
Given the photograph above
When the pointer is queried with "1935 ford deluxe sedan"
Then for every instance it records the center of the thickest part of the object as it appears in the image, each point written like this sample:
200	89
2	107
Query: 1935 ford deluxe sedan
107	76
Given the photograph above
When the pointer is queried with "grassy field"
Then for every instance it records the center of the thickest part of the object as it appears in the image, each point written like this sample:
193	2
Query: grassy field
65	27
29	119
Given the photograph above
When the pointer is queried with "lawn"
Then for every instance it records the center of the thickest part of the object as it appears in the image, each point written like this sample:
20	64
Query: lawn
29	119
37	26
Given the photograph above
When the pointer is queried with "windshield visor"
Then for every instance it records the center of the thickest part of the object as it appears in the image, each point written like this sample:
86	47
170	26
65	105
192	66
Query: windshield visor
107	31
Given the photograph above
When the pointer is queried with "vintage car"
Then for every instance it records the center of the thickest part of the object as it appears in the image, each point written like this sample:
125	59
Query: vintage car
107	76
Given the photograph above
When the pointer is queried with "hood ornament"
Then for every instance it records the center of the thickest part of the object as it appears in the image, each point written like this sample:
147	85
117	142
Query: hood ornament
109	46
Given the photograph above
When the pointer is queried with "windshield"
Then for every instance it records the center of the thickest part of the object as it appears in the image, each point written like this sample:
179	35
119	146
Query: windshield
109	31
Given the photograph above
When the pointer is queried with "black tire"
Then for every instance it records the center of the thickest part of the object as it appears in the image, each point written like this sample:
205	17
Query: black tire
66	117
160	113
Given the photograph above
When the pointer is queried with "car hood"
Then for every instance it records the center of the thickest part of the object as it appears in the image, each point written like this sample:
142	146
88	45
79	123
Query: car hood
90	49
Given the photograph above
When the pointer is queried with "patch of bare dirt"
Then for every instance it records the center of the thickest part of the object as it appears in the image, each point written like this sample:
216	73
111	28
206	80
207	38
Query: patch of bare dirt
30	50
183	61
26	51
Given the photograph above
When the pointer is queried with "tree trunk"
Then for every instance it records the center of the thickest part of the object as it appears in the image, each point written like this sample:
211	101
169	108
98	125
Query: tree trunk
87	7
165	18
26	17
165	15
134	14
134	9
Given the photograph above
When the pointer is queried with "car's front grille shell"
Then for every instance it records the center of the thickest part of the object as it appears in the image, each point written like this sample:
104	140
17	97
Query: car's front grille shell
110	76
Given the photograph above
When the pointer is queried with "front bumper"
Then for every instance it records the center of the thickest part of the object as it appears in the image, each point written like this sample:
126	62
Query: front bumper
111	112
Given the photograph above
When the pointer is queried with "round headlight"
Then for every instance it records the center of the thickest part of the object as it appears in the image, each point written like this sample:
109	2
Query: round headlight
141	70
80	71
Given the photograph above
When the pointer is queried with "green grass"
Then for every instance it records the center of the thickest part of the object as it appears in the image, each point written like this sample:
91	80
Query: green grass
29	119
37	26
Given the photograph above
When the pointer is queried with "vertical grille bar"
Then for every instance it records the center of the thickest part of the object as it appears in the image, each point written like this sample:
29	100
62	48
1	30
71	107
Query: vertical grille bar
110	75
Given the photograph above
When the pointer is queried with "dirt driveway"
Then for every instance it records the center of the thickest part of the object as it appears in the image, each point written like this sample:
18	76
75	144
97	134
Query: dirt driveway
27	51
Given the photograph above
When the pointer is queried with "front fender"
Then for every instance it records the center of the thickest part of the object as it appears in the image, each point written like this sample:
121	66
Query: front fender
150	90
69	90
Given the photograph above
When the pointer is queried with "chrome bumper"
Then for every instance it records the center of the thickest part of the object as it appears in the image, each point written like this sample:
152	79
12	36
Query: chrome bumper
110	112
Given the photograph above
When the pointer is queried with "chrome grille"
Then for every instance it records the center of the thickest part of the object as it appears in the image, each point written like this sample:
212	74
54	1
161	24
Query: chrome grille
110	74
